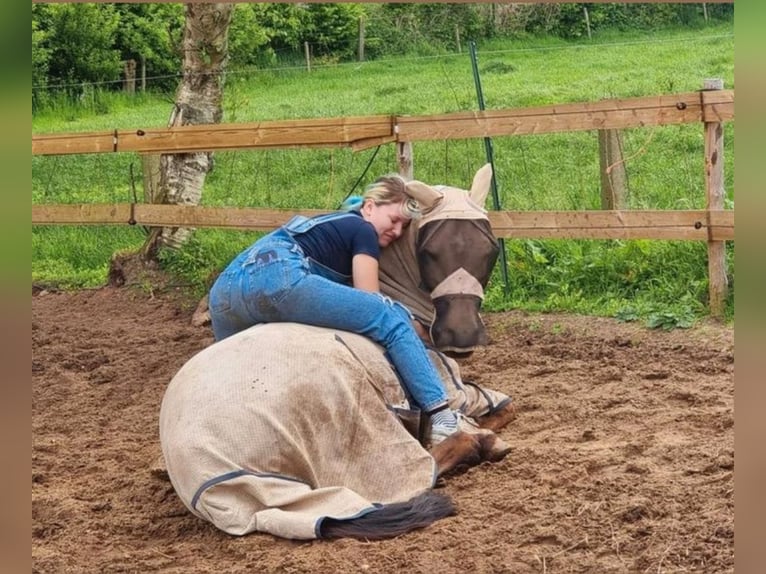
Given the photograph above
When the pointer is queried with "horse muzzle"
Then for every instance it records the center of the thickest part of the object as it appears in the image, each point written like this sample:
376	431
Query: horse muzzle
457	328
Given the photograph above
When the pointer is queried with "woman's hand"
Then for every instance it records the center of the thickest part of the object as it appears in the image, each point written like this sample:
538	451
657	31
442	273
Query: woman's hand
422	332
364	272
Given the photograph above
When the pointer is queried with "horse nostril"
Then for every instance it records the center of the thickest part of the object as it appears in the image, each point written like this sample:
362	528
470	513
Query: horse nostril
459	354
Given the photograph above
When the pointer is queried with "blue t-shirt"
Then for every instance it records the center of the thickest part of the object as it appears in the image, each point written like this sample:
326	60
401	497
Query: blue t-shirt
334	243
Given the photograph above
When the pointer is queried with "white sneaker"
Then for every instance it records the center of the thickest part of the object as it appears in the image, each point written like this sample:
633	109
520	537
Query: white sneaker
441	431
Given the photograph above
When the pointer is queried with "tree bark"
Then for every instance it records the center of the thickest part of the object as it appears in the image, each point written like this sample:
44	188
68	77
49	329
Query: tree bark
198	101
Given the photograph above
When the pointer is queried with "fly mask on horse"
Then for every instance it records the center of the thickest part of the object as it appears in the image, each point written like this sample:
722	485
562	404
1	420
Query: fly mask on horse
441	267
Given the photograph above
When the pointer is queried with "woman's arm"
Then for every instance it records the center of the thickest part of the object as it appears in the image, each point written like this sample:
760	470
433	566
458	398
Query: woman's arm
422	332
364	272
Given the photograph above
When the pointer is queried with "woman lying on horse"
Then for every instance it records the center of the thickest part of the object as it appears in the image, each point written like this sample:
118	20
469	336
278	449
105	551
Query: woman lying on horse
323	271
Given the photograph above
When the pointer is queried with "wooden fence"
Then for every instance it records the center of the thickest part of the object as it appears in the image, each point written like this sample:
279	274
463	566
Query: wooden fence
710	106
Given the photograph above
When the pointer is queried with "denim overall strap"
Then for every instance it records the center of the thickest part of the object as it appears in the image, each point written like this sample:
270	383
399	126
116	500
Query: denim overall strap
301	224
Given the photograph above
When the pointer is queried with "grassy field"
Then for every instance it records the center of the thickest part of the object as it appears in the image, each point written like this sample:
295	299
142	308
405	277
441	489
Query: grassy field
663	283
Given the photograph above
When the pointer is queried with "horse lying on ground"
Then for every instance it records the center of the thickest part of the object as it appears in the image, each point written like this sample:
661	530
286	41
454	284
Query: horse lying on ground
298	430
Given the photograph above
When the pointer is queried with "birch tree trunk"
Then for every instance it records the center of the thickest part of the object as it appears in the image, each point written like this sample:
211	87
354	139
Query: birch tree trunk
198	101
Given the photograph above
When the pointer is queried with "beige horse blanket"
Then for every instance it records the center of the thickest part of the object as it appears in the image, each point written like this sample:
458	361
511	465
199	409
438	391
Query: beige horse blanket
262	434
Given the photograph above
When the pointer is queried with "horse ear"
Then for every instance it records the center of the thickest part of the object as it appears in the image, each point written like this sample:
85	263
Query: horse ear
426	195
481	184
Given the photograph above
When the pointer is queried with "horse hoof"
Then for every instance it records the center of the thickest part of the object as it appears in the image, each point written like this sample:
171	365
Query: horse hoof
497	419
459	449
493	448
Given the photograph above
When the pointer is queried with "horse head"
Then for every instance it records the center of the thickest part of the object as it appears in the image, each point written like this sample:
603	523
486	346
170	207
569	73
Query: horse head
440	267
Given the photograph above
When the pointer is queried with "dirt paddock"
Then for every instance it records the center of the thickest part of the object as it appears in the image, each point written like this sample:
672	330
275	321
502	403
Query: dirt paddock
623	453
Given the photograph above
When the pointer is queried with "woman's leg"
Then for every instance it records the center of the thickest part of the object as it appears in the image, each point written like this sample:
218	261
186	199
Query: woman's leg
256	274
273	283
318	301
228	315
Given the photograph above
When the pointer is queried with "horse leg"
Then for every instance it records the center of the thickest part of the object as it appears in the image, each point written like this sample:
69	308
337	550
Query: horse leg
460	448
488	408
493	448
498	418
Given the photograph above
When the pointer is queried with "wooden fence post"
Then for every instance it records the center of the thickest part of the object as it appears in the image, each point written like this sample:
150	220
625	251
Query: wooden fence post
143	73
614	179
150	168
587	20
404	159
361	38
129	83
308	56
716	250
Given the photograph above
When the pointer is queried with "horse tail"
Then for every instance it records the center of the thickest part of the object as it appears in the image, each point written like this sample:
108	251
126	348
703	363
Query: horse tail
391	520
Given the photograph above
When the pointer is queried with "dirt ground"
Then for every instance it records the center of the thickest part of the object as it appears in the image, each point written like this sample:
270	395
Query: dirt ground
623	455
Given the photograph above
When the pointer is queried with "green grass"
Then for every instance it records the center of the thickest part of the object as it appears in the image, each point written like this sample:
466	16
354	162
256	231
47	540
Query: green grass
631	279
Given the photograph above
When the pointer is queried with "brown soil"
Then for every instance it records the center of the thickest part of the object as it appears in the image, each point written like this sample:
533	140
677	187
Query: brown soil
623	452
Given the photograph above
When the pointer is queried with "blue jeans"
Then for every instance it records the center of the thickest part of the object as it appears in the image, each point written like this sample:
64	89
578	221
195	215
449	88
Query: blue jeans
274	281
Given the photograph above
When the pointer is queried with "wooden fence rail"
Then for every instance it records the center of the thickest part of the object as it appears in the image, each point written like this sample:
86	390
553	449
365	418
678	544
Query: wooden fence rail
629	224
369	131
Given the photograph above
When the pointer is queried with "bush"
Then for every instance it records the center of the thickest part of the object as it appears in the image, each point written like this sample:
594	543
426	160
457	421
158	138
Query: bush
81	45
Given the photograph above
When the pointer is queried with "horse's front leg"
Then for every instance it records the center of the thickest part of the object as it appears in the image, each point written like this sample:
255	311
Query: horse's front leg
492	410
459	449
498	418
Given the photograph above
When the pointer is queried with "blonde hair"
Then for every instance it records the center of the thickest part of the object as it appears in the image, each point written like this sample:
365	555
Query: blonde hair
387	189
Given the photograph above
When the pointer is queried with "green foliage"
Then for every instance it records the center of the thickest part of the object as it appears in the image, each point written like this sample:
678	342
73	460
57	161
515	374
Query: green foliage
248	38
332	29
281	23
627	314
152	31
78	257
76	44
567	20
425	29
191	262
81	46
668	320
662	282
40	62
63	274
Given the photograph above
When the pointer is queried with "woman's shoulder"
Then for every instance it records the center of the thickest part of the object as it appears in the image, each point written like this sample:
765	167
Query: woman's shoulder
353	221
357	229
